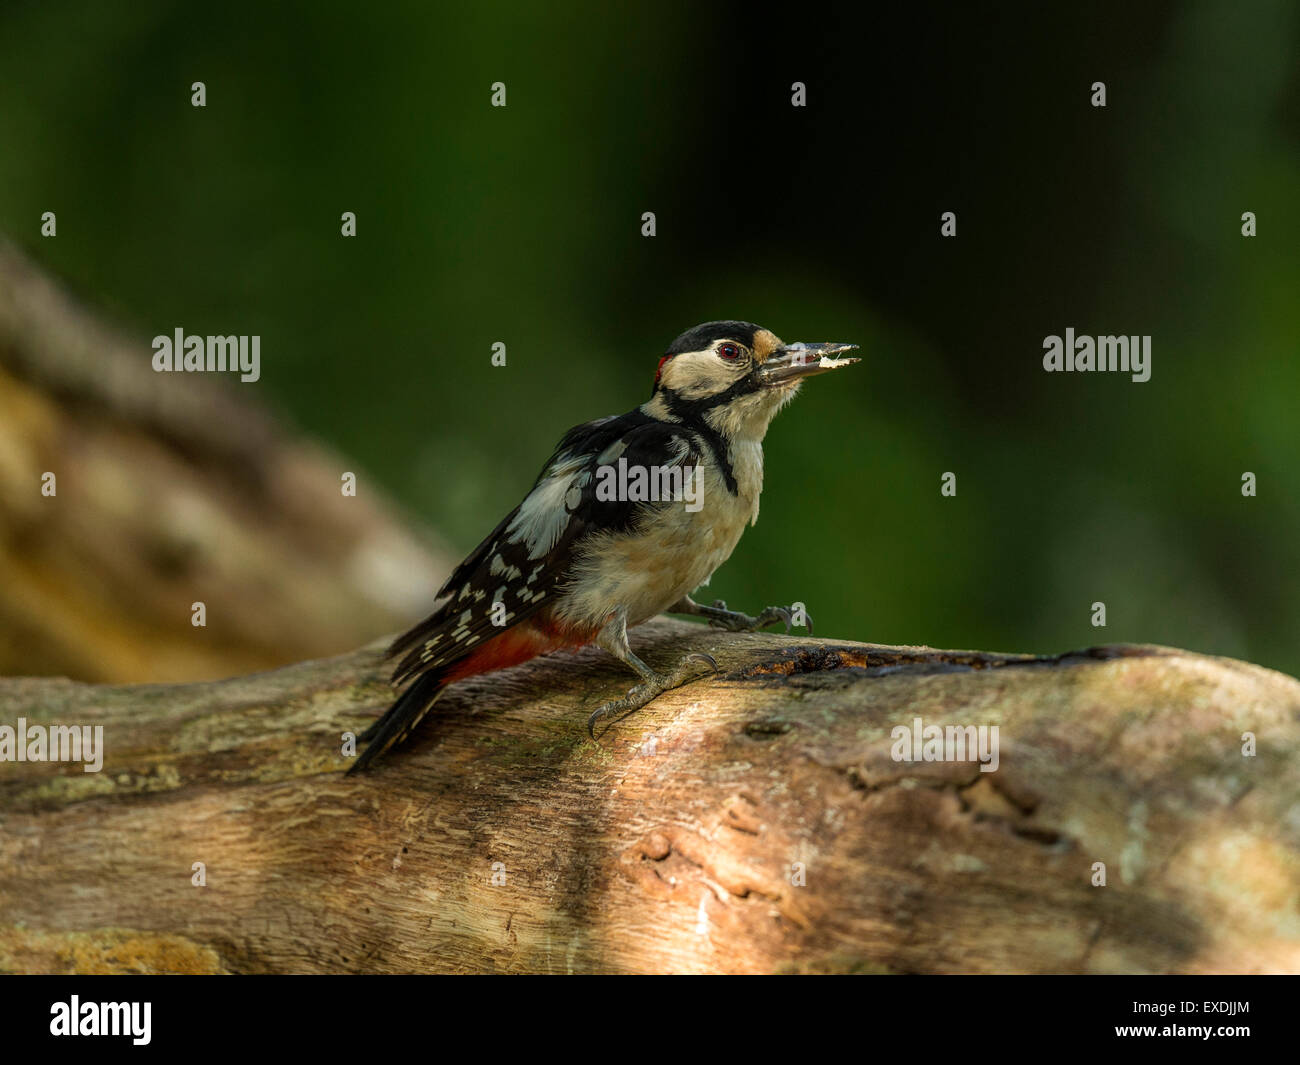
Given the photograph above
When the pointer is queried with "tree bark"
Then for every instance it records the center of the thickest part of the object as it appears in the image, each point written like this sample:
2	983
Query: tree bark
751	822
172	489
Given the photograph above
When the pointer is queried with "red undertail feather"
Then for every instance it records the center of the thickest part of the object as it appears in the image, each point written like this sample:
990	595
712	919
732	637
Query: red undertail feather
518	644
527	640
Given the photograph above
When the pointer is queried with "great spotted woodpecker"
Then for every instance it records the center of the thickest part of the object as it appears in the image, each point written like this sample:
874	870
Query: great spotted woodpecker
588	554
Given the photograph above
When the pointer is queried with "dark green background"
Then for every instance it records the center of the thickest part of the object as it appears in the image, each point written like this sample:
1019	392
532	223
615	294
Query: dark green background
523	225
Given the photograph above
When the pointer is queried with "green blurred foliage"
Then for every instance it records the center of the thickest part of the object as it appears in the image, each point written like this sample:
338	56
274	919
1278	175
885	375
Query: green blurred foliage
522	225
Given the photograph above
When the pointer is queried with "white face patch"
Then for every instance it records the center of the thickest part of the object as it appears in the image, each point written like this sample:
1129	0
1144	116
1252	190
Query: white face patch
695	374
657	408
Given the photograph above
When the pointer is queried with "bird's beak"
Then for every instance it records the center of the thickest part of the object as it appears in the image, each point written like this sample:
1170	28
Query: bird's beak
793	362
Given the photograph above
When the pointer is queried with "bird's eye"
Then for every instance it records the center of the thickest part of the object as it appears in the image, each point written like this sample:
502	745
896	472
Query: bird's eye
729	351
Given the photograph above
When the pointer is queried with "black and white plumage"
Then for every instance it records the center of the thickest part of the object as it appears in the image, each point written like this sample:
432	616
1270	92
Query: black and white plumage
575	563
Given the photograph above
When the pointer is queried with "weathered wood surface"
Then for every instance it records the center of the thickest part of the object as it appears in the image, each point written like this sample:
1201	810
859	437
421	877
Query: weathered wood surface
173	489
667	846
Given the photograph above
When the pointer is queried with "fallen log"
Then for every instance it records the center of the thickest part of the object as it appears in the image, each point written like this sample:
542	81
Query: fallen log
755	821
127	496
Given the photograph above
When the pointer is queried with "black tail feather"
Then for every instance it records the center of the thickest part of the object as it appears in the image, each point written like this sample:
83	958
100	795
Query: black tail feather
414	637
400	719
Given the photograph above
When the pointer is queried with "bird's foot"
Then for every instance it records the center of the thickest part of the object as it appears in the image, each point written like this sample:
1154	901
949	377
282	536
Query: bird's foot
653	686
735	621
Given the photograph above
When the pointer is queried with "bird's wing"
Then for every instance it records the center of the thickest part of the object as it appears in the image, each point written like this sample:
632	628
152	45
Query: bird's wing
524	562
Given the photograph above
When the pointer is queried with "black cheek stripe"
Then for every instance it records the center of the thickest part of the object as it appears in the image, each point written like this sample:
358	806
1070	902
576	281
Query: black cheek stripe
691	412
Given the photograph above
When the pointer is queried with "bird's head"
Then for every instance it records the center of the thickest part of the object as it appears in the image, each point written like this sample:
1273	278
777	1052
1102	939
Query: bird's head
736	375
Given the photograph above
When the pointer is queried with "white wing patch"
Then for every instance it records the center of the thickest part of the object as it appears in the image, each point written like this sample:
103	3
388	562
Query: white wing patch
544	514
611	453
499	567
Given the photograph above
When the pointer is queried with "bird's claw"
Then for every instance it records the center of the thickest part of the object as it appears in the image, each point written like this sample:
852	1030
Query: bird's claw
596	716
713	664
735	621
650	689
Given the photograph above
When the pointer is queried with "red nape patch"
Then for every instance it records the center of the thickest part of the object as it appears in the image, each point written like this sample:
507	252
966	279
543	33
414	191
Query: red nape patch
659	370
526	640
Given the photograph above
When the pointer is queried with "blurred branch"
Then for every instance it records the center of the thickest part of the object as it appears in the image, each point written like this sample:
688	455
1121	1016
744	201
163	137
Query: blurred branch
751	822
173	489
